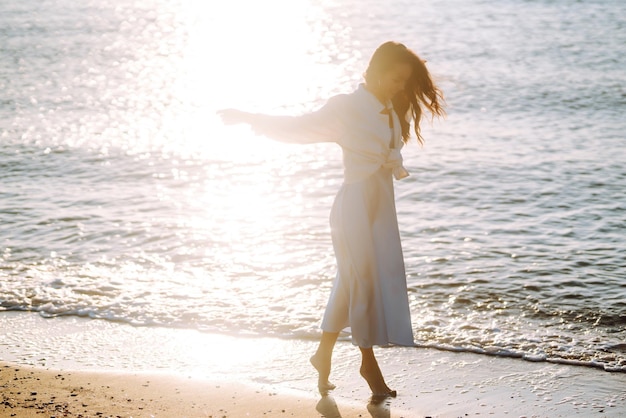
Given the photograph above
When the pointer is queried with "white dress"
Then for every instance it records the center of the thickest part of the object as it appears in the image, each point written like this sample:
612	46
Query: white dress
369	293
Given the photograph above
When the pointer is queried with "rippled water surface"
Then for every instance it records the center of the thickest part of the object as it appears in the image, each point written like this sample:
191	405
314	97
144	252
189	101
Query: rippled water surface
123	197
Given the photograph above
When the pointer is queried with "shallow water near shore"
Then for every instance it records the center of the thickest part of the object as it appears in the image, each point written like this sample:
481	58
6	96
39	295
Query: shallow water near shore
123	198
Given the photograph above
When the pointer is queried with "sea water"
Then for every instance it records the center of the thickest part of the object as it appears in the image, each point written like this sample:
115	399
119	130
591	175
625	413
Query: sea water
124	198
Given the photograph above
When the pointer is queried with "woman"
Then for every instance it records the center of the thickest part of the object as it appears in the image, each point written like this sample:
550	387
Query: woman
371	125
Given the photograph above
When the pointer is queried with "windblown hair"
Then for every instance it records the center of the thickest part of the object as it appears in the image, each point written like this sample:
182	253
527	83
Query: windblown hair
420	93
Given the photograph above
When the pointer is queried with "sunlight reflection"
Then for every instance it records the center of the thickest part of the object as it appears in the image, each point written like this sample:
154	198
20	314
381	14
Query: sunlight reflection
220	203
228	356
254	53
273	56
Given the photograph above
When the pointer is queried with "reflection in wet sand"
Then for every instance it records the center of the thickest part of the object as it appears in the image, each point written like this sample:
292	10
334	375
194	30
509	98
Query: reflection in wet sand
328	407
378	408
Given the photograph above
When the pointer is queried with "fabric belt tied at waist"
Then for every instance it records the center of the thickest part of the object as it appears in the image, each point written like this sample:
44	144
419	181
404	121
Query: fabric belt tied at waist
394	162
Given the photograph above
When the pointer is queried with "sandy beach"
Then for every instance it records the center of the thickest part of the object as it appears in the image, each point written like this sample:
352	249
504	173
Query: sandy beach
87	368
33	392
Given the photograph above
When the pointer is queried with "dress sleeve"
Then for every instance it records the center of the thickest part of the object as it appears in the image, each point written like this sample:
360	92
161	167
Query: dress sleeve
323	125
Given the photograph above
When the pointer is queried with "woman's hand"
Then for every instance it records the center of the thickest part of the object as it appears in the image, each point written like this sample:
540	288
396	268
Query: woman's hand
234	116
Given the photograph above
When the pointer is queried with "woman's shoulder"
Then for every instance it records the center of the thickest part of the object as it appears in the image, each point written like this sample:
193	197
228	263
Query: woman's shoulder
338	99
343	102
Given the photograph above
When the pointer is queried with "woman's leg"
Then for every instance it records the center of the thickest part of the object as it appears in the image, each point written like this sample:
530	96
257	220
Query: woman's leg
372	374
322	358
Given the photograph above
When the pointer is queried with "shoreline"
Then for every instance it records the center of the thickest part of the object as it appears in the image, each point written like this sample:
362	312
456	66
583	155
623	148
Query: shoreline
236	376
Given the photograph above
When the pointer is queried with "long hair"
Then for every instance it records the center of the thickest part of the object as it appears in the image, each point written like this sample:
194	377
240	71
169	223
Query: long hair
420	92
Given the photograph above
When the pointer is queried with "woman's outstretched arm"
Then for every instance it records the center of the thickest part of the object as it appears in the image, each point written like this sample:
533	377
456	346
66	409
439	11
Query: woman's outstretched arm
323	125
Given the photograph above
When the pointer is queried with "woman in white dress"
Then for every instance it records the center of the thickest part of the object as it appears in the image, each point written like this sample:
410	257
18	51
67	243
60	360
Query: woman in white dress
371	125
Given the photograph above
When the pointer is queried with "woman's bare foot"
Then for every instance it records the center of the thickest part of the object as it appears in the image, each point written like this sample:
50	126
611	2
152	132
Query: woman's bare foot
374	378
322	365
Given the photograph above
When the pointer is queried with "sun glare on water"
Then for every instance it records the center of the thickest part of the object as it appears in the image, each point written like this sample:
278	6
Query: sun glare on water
225	208
276	56
210	209
259	55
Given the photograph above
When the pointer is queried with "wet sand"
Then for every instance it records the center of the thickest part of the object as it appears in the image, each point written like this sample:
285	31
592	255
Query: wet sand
87	368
